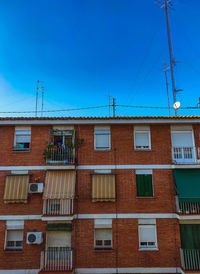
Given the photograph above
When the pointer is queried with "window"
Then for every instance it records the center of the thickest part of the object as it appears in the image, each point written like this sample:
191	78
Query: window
102	138
147	234
103	233
103	237
144	183
14	235
142	138
14	239
22	138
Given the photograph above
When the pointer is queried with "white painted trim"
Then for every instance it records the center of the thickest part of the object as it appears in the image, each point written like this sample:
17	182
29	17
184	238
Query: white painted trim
97	216
129	216
129	270
20	217
124	167
100	167
189	217
57	218
99	122
20	271
144	171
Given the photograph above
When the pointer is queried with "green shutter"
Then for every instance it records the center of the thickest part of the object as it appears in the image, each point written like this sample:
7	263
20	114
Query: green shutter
144	185
188	184
190	236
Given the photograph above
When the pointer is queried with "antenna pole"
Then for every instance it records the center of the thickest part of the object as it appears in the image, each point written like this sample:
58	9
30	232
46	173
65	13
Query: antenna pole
114	106
36	103
171	54
42	102
109	98
165	70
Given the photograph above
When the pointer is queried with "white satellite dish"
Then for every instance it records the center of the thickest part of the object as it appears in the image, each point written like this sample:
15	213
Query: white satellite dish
177	105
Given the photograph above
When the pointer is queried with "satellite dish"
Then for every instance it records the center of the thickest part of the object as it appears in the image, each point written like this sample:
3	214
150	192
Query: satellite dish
177	105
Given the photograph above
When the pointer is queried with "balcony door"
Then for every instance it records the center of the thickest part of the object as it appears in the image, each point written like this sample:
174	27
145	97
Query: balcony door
183	149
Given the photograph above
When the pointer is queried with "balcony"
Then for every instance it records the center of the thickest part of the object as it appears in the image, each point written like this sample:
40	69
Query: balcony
59	155
52	207
56	259
185	155
188	206
190	259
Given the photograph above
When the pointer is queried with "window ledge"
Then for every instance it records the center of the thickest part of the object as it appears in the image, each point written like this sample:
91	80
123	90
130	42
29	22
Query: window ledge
148	197
142	149
13	250
106	149
21	150
103	249
148	249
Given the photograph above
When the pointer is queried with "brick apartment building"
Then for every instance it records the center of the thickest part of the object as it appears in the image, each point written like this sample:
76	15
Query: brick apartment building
100	195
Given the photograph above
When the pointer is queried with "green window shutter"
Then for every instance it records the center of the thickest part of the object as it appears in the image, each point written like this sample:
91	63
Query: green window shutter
190	236
144	185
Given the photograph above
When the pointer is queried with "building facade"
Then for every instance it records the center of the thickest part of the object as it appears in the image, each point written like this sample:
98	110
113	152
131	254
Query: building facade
100	195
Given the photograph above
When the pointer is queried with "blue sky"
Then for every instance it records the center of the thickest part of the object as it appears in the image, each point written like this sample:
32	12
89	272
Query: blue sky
84	50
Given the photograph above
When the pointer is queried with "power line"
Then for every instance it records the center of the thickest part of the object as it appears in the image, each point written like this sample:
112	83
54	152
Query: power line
57	110
97	107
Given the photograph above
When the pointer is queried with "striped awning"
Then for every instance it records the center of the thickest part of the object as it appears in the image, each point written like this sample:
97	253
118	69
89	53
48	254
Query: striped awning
16	189
59	185
103	188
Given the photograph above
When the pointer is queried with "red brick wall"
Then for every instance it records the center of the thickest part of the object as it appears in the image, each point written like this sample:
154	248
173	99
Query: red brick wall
126	253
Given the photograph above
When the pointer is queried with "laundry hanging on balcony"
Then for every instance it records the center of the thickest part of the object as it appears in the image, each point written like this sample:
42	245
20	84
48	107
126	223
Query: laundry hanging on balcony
59	185
16	189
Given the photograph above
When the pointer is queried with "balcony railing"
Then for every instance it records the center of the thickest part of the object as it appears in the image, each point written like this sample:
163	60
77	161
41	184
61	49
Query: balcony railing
60	155
184	155
190	259
58	207
192	206
56	259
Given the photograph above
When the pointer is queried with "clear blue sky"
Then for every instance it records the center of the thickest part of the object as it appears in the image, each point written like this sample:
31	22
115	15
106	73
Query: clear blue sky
85	49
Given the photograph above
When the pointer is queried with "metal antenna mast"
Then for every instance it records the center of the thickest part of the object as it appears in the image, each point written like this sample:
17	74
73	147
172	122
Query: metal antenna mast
165	70
36	103
37	91
166	4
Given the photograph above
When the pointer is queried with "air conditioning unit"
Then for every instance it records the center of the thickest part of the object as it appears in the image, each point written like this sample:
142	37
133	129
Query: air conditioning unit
35	188
34	238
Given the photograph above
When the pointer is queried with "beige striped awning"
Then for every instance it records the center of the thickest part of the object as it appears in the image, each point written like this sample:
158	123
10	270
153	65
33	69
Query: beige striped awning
103	188
16	189
59	185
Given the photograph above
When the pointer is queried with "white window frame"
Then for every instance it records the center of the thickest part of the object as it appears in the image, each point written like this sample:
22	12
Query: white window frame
102	131
186	129
22	129
143	226
142	130
103	245
13	247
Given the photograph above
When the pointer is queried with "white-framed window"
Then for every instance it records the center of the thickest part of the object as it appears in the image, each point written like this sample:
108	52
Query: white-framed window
102	138
142	138
22	138
14	235
14	239
147	236
103	233
103	237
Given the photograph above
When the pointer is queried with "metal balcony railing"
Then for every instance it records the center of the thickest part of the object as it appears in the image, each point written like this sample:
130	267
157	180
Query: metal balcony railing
190	259
60	155
188	207
56	259
58	207
184	155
